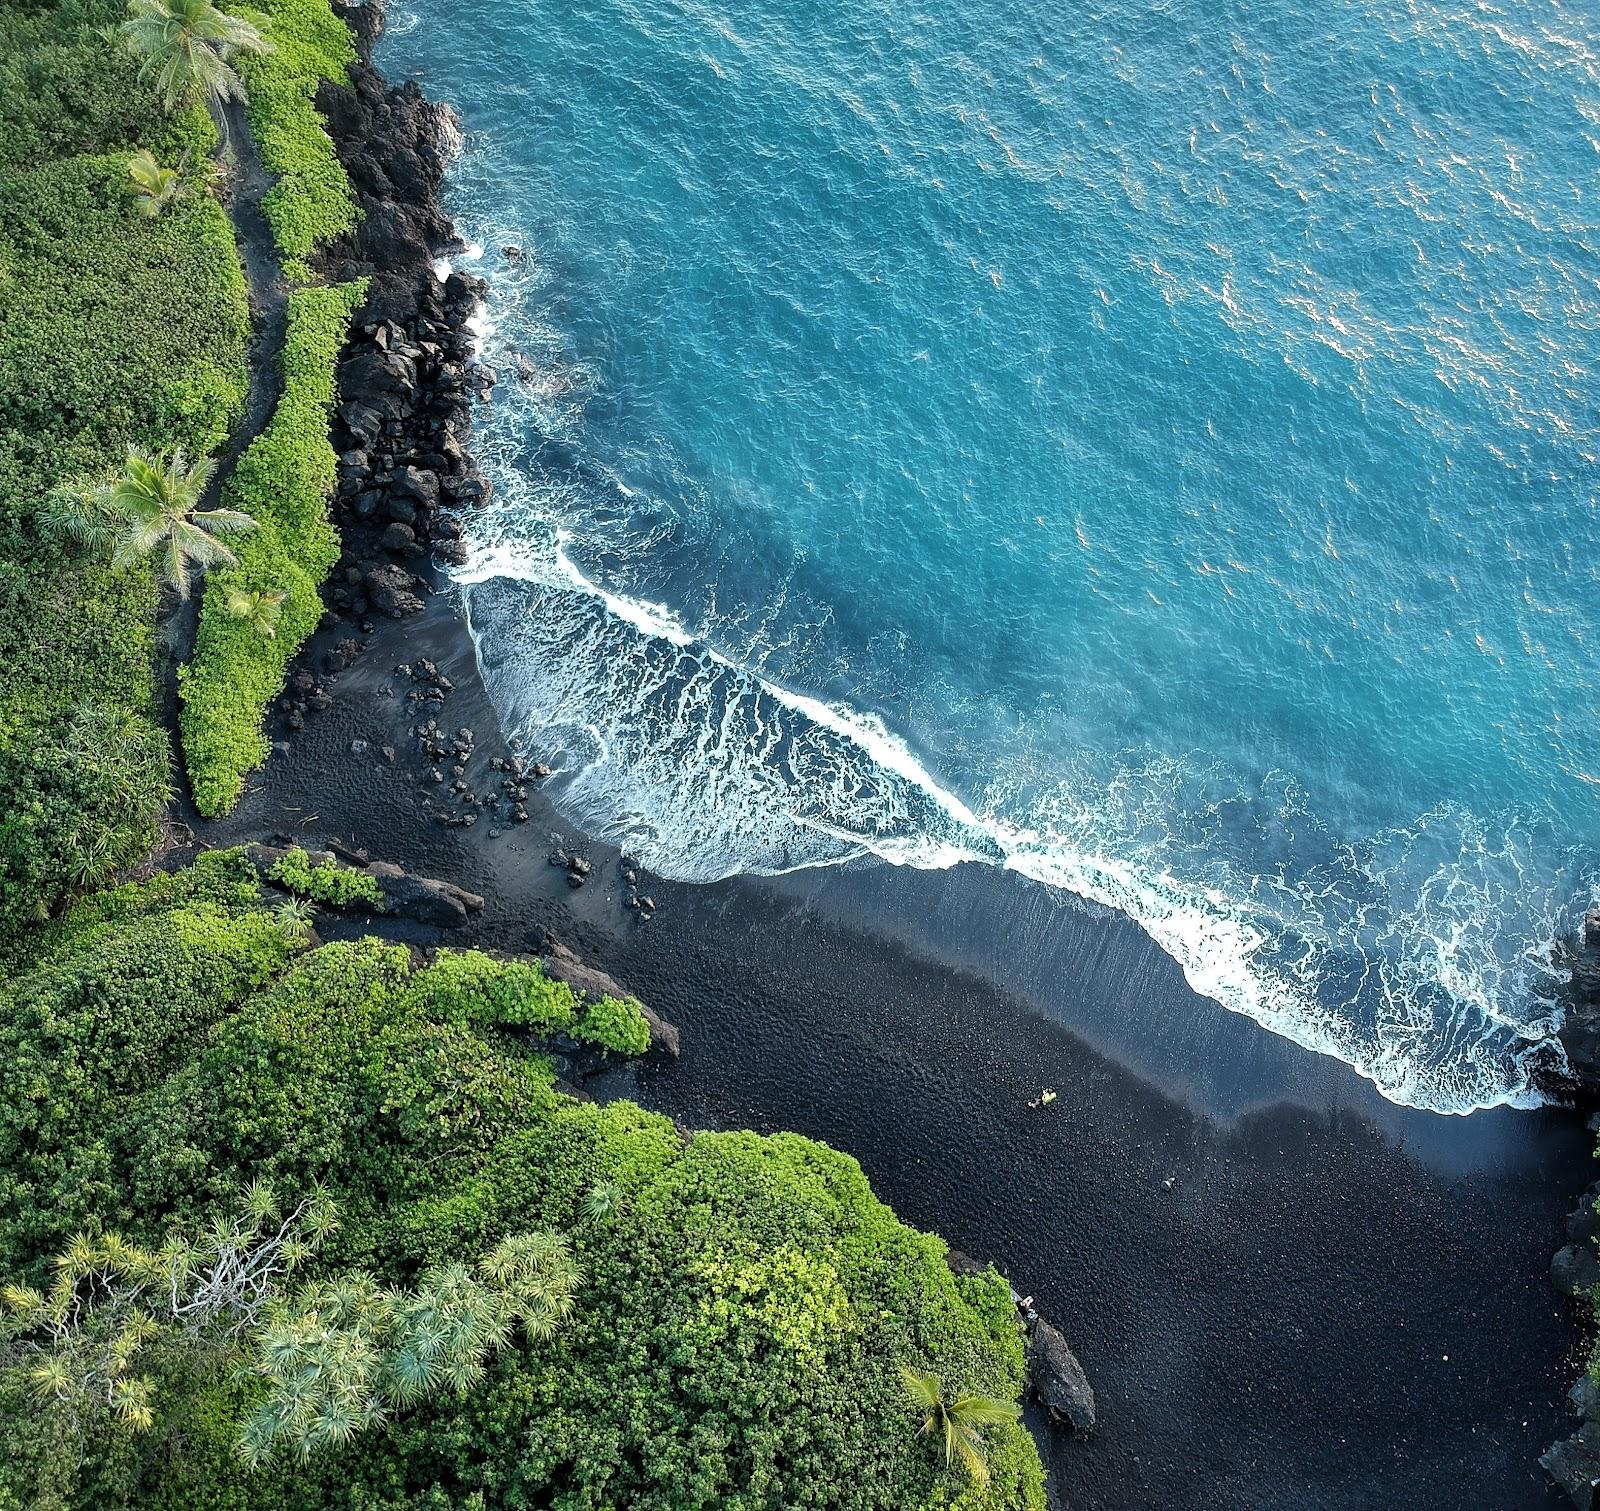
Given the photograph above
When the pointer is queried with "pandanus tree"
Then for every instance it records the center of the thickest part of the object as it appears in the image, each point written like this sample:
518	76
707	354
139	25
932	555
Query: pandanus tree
151	509
346	1355
959	1420
188	47
154	187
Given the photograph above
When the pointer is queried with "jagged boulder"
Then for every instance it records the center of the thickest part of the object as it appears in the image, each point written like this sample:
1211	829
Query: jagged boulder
1058	1380
1583	1222
1576	1269
422	898
1574	1464
391	590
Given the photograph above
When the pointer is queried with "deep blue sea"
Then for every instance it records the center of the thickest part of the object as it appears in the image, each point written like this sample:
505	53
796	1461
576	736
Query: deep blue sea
1152	446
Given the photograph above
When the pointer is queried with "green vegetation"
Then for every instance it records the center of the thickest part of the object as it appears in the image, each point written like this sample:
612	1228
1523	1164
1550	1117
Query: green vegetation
724	1324
123	328
326	882
261	609
151	509
116	330
311	203
477	989
282	481
153	187
960	1422
186	49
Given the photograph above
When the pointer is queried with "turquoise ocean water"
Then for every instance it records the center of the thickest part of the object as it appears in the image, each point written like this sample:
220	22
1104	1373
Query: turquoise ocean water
1152	447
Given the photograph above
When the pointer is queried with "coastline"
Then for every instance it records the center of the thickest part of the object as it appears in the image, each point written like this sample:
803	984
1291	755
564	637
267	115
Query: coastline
1249	1345
1249	1341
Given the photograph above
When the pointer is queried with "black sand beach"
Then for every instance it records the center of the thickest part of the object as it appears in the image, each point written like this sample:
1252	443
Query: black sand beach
1286	1291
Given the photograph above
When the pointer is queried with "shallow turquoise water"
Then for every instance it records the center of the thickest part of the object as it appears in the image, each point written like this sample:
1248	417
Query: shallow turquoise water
1151	447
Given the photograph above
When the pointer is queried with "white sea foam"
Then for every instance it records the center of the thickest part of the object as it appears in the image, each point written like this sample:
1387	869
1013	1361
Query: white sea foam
695	757
703	768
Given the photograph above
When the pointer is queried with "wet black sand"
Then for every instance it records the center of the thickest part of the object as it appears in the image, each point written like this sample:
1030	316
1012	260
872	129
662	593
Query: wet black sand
1286	1291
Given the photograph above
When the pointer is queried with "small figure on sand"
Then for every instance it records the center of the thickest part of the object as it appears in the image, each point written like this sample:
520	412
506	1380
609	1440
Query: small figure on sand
1044	1099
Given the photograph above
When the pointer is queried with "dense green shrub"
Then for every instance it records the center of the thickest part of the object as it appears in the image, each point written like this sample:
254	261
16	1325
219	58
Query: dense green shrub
66	87
614	1023
746	1302
469	987
328	882
83	799
311	202
92	1026
113	329
283	481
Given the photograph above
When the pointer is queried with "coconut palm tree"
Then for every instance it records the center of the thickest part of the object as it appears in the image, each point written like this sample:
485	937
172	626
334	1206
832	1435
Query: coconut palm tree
154	187
958	1420
153	506
188	47
260	609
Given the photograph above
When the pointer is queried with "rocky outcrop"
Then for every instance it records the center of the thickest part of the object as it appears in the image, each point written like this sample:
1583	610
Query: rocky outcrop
560	962
407	376
422	899
1580	1026
1058	1381
1574	1464
1055	1378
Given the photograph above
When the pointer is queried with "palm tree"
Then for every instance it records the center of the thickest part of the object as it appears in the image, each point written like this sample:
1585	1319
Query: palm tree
959	1420
294	919
260	609
603	1199
81	517
154	187
188	47
152	507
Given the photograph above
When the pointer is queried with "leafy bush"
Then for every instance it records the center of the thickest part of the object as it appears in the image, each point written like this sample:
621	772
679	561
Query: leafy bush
311	203
614	1023
328	882
283	481
747	1304
92	1026
471	988
83	800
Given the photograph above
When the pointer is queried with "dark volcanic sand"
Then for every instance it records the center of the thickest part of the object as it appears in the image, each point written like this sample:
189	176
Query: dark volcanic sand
1338	1303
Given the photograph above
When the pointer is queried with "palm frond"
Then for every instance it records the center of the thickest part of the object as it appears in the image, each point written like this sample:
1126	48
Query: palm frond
983	1411
923	1388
